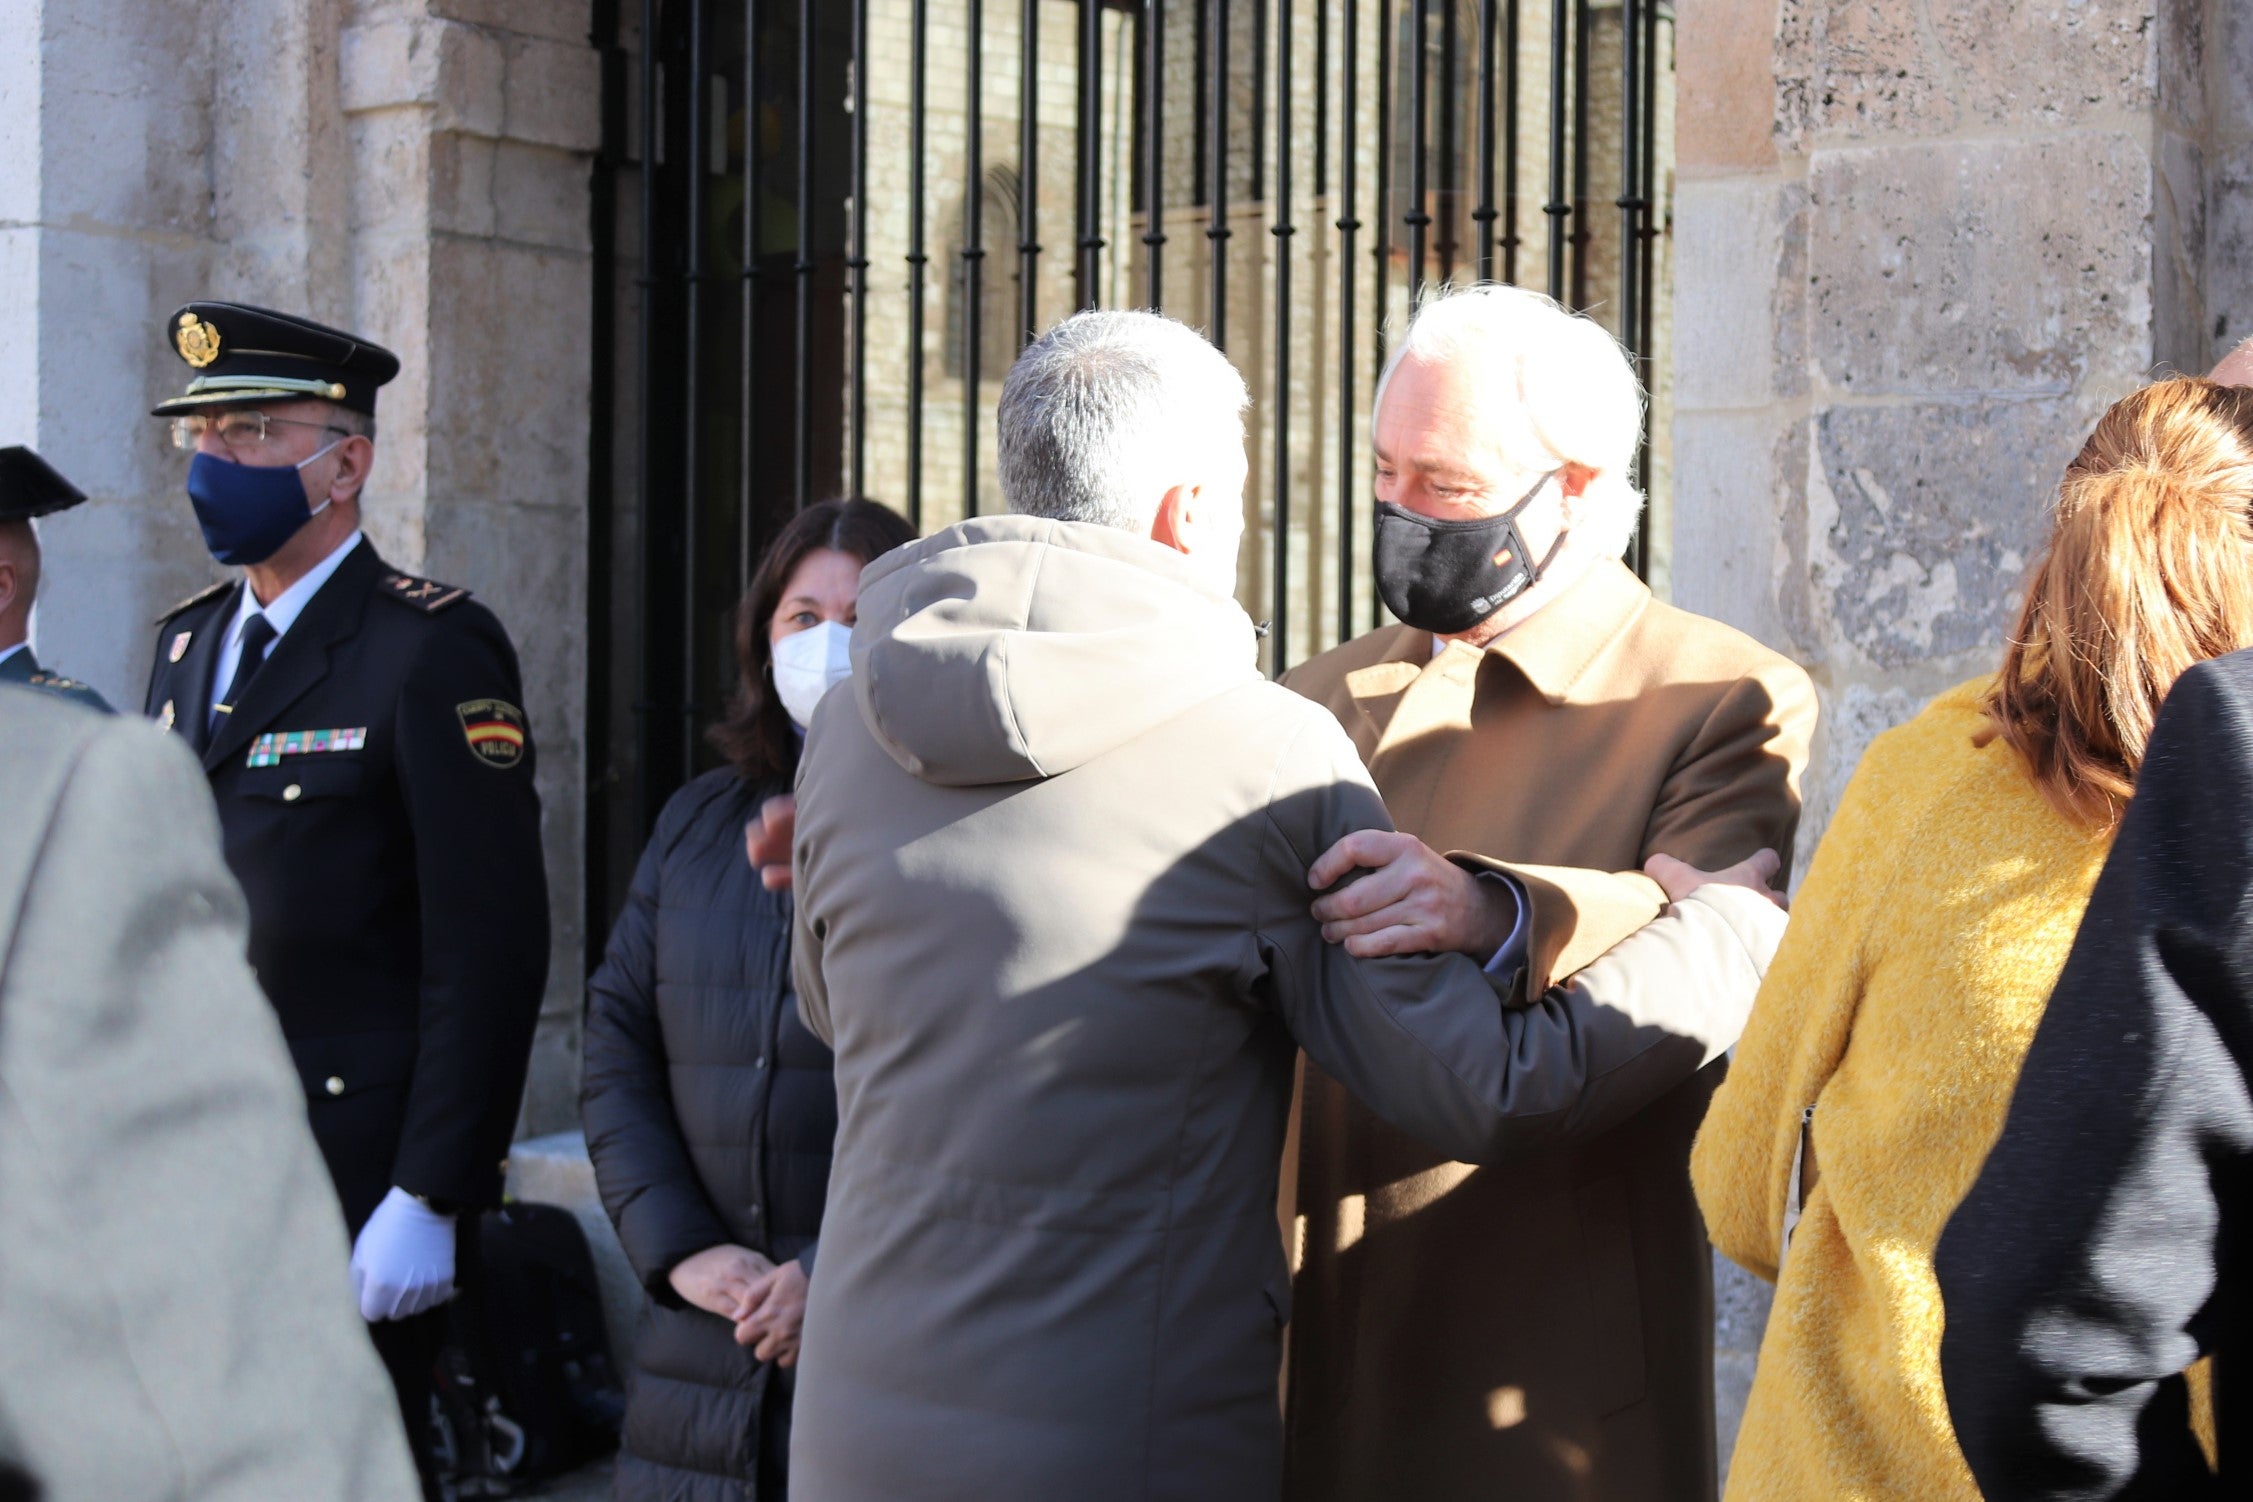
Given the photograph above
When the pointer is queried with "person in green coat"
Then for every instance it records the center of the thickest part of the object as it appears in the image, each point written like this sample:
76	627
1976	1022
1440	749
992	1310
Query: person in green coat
29	487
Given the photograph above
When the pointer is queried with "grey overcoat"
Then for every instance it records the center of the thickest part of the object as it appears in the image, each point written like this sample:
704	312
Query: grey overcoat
176	1315
1053	917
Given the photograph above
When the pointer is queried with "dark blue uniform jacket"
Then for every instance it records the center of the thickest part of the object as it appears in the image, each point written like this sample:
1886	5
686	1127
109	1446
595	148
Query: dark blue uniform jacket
375	791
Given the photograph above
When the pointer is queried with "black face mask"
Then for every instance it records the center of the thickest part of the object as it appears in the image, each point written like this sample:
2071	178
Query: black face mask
1441	577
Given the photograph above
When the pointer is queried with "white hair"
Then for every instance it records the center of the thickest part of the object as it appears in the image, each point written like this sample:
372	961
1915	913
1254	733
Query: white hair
1105	412
1555	389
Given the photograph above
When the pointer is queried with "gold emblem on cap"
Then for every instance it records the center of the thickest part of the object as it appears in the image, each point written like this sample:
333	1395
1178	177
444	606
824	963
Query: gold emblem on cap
198	341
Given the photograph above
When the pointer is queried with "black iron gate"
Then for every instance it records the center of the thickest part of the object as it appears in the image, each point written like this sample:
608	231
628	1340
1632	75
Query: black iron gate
788	186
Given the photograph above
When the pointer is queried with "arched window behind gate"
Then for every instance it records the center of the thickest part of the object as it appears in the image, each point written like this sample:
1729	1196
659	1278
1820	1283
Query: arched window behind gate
999	338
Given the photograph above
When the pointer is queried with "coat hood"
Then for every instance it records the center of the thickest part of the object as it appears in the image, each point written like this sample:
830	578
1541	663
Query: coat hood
1009	648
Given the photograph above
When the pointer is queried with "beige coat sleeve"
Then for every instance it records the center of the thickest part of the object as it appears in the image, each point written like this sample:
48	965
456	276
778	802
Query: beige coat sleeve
173	1268
1577	915
1424	1041
1735	791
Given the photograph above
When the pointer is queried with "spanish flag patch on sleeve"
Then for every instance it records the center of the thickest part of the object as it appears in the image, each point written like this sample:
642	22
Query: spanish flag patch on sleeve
495	731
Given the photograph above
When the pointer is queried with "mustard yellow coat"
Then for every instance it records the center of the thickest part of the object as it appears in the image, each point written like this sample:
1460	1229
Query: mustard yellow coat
1922	950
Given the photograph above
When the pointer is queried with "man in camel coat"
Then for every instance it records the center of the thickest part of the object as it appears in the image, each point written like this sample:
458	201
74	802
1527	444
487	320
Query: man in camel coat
1538	1328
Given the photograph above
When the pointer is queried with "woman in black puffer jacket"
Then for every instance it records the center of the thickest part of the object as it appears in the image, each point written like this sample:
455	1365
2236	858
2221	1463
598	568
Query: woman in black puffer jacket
709	1108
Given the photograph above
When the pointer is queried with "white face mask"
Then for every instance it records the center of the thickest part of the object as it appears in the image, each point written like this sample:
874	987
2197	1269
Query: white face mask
808	664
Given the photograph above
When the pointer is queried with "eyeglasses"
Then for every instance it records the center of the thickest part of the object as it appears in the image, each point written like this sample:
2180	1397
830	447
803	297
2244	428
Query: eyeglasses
244	431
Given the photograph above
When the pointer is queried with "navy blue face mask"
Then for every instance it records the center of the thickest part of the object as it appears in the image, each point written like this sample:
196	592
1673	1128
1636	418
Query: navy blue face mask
247	511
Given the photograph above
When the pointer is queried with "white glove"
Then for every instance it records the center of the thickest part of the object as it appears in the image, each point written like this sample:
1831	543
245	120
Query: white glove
403	1262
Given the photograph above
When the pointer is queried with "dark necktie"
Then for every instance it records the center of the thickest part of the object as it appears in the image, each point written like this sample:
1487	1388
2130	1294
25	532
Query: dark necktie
258	634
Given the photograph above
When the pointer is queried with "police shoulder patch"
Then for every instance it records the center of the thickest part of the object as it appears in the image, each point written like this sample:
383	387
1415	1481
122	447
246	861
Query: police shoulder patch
425	595
209	591
495	730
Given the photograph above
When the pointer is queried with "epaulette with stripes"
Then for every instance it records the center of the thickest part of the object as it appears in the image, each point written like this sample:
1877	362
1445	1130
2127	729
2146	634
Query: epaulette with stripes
425	595
201	595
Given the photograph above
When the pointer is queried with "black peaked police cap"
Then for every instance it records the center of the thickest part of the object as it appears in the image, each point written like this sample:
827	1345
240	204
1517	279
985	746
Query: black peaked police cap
246	354
30	486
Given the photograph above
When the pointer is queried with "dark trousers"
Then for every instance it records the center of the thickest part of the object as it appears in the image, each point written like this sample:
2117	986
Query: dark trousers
409	1348
774	1435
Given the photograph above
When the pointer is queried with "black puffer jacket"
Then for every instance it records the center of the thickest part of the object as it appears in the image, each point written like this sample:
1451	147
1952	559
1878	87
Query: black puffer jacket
710	1114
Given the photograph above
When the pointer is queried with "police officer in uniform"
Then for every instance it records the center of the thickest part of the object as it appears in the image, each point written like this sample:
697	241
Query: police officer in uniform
363	733
29	487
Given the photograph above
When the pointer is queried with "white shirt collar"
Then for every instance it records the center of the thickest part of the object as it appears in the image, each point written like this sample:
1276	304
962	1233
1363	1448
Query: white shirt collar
8	652
286	607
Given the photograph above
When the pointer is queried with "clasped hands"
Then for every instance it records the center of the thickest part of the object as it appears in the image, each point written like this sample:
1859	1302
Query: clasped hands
765	1303
1413	900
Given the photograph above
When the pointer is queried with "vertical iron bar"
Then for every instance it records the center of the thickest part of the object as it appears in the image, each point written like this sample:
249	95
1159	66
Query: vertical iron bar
1647	255
802	399
1582	231
1200	73
1560	17
1321	98
1484	213
1349	53
1649	190
1450	57
973	246
1153	160
747	406
1418	217
645	427
1258	182
1278	641
1217	232
1028	173
692	348
917	58
599	789
1630	199
1630	204
858	265
1381	251
1087	266
1511	240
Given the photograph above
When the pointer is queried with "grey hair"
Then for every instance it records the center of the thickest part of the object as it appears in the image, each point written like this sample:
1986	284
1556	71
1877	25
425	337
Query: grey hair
1557	389
1107	410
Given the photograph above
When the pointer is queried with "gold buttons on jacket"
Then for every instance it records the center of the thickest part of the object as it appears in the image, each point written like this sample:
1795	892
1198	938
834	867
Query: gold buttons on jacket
291	793
335	1085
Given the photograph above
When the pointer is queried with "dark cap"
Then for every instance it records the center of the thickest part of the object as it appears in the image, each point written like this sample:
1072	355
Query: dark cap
244	354
30	486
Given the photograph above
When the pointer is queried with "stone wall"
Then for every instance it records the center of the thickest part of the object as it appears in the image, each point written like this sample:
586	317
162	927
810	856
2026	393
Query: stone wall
1922	245
414	169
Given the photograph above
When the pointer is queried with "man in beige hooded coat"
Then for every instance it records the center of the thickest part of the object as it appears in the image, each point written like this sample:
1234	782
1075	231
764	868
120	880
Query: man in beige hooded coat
1053	914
